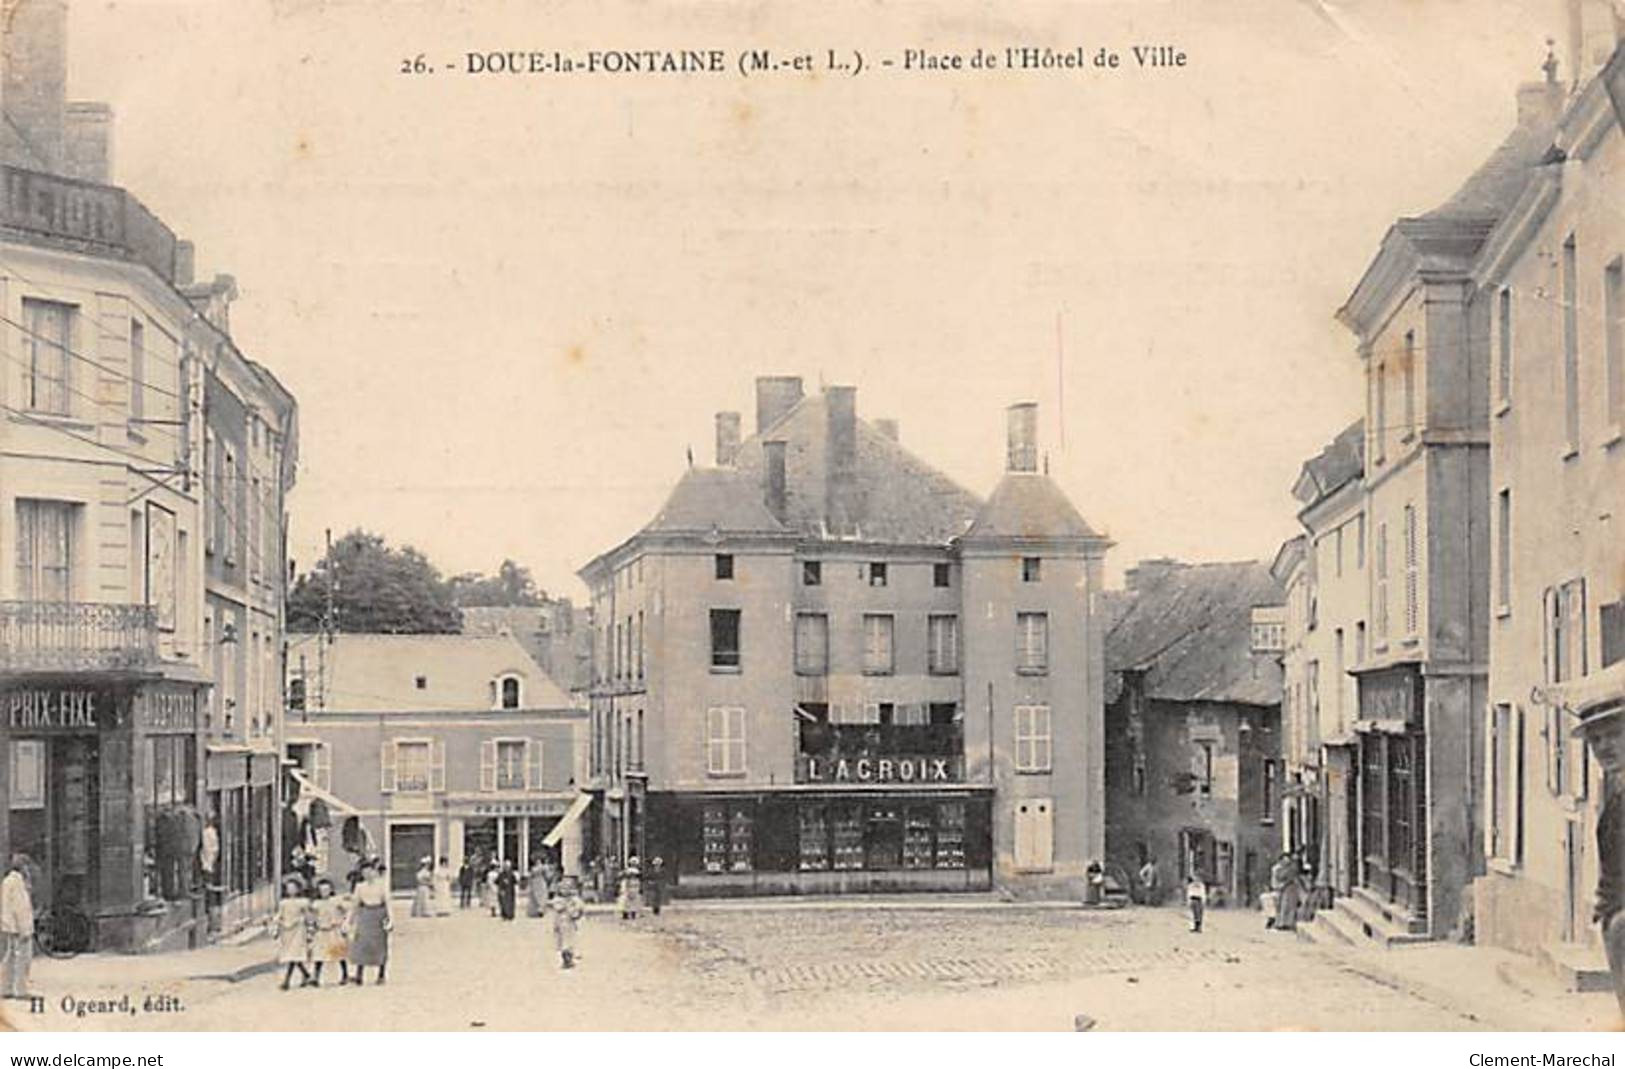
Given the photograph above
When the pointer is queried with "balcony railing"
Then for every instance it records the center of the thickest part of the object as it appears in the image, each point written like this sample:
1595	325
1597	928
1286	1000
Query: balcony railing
76	636
85	216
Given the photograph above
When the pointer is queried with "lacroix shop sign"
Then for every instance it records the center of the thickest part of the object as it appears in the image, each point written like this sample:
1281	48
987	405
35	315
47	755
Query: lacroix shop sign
901	769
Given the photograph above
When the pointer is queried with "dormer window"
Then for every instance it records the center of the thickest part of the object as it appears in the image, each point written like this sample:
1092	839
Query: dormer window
506	692
422	682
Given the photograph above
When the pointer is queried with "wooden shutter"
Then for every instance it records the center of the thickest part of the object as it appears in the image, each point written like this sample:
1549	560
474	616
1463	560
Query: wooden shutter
715	746
1044	834
1515	792
488	765
386	764
323	772
437	765
1491	750
1043	739
736	740
533	771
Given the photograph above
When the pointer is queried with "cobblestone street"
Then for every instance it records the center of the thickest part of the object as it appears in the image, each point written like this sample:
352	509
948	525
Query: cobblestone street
798	966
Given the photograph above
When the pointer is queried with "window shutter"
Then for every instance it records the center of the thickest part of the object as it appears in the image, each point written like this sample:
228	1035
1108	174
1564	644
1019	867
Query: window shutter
736	740
1515	788
1552	733
871	712
1490	751
715	746
324	767
488	765
533	775
437	765
1547	614
1044	835
386	763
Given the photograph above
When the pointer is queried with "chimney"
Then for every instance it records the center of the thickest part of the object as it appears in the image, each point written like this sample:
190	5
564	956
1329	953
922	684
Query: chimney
88	142
1022	455
185	263
841	459
1148	573
776	491
34	40
888	427
727	438
775	395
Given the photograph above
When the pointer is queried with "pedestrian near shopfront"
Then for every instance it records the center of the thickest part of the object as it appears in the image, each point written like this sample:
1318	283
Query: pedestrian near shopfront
507	882
1150	882
656	884
631	896
370	923
16	928
1286	882
538	890
465	883
488	886
292	926
1196	897
442	889
422	895
567	909
332	918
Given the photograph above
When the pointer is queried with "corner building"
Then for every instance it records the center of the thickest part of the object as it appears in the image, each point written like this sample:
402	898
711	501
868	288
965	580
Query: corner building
824	667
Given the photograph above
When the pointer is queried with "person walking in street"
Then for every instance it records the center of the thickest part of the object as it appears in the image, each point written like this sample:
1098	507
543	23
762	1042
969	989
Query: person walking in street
292	926
567	909
332	916
16	928
1285	881
488	886
370	923
422	896
1150	880
657	884
631	897
507	885
442	889
538	890
465	883
1196	896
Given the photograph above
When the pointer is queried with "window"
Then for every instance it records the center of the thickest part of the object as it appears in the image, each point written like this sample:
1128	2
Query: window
1380	431
1412	594
1565	632
1272	790
812	573
510	771
725	741
1031	569
1204	766
943	645
1338	550
1382	582
138	370
412	765
725	566
1568	761
637	645
1138	772
1359	542
1503	347
1409	387
1611	622
1032	643
727	836
877	574
1571	347
939	575
296	693
1359	642
1503	550
508	692
1033	741
48	340
44	550
1505	831
1613	327
421	682
878	650
724	639
812	643
27	774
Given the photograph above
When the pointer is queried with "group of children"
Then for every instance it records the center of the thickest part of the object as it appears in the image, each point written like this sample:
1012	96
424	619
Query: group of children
313	926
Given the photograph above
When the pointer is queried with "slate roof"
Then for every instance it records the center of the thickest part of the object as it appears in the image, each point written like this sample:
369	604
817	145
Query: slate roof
378	673
721	498
1340	463
1188	628
1495	186
1029	505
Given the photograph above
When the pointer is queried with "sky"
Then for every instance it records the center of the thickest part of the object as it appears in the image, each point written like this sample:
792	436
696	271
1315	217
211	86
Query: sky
508	306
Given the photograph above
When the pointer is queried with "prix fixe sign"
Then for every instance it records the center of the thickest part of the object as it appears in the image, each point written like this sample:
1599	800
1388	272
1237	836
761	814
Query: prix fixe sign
45	709
880	770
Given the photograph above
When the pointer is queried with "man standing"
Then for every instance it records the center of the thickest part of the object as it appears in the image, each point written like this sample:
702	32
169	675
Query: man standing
16	928
1604	731
1196	895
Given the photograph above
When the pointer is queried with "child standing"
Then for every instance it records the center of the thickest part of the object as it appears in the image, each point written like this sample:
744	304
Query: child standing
567	910
292	927
1196	895
332	915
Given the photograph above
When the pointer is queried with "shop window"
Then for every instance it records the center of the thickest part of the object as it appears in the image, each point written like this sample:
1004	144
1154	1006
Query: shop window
1032	643
878	652
940	575
725	639
1031	569
728	834
812	643
812	573
846	832
877	573
814	836
883	846
944	645
724	565
1033	742
725	741
950	835
28	774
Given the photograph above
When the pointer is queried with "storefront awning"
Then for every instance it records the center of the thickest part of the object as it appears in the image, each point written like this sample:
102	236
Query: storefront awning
308	790
571	815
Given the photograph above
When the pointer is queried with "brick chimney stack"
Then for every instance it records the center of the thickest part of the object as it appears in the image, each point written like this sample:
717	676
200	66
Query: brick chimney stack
727	438
775	490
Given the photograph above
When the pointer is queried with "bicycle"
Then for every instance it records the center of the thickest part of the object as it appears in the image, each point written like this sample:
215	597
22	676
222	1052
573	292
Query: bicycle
62	932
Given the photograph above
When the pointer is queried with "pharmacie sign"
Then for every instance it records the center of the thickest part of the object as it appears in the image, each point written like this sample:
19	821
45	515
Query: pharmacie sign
904	769
54	709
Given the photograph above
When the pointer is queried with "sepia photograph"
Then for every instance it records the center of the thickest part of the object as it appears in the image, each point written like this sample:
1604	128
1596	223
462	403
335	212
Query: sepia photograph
742	517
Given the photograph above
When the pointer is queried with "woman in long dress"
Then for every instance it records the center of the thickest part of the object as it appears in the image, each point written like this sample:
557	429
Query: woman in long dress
425	888
536	902
507	884
442	889
291	928
328	944
370	924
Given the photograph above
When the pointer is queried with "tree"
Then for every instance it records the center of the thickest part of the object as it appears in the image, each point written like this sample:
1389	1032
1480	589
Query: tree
374	588
512	585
